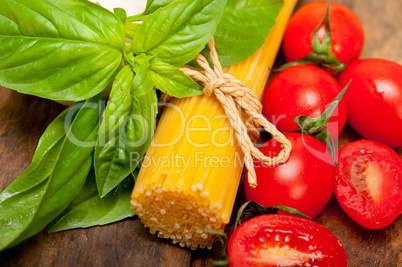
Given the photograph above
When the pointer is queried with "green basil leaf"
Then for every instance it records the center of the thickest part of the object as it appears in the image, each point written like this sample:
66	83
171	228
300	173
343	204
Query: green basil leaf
130	29
125	133
59	49
129	59
142	80
153	5
243	28
120	13
112	164
88	209
22	197
178	31
141	124
173	81
56	175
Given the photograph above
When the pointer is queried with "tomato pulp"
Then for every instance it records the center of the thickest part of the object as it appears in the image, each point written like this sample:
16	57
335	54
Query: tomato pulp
374	99
281	240
305	182
303	90
369	183
346	31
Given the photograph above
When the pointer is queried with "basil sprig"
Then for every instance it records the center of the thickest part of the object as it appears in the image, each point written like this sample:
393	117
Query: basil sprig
82	171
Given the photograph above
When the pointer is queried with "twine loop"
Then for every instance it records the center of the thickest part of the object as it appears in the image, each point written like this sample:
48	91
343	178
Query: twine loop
234	95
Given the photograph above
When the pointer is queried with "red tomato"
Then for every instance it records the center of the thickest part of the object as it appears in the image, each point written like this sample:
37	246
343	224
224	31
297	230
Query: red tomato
369	183
303	90
280	240
305	182
346	31
374	99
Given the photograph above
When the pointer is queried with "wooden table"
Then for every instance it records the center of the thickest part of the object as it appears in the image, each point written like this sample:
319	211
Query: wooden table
127	243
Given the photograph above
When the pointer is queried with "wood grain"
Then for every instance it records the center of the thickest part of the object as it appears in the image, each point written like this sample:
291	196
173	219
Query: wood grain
23	118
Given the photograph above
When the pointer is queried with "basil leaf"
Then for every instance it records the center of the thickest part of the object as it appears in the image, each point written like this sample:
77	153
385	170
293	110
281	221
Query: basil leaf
142	80
130	29
23	196
56	175
243	28
120	13
178	31
153	5
173	81
126	131
110	157
141	125
59	49
88	209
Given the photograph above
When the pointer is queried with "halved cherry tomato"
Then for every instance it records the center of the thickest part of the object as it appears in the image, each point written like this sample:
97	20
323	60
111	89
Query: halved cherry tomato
303	90
305	182
281	240
346	31
374	99
369	183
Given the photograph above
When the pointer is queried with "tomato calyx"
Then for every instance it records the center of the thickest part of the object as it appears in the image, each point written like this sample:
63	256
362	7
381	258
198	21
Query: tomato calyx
221	238
317	127
252	209
247	211
321	54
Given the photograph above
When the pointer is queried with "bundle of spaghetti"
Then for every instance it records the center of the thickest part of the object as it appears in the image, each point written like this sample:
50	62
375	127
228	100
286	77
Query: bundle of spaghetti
191	172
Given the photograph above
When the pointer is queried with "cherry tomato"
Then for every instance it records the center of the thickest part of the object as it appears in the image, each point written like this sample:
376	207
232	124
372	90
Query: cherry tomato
280	240
346	31
305	182
374	99
369	183
303	90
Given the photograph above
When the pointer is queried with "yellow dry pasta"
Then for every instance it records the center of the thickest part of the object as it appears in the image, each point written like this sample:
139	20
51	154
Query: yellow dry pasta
190	175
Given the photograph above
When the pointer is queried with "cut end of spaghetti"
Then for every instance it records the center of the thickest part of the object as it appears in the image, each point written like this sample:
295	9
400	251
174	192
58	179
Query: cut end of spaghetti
179	216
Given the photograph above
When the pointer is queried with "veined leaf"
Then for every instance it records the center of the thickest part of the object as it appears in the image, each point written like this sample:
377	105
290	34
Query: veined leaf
126	131
120	13
178	31
173	81
243	28
20	200
57	173
130	29
59	49
88	209
142	83
153	5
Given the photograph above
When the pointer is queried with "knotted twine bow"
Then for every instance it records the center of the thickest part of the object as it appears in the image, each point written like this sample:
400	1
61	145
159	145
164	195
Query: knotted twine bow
232	93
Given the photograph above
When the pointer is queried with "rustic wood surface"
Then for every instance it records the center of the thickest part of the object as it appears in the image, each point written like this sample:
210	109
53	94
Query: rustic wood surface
127	243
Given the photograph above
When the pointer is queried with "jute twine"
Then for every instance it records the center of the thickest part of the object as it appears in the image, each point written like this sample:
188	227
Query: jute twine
234	95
